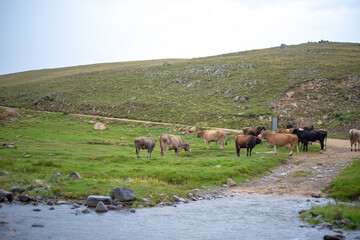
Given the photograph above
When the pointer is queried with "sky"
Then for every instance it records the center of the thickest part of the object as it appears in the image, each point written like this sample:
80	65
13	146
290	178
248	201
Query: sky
41	34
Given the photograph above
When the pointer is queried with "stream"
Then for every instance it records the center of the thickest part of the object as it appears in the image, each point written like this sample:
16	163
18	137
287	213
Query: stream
239	217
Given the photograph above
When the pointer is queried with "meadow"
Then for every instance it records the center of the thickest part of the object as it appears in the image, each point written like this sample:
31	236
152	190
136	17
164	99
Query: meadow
50	143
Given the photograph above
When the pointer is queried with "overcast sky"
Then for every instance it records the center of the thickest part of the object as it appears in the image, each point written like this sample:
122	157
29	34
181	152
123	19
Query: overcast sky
38	34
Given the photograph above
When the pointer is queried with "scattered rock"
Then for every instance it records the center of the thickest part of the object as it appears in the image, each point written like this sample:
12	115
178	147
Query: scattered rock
289	94
133	98
177	199
334	237
165	64
74	175
93	200
51	208
3	173
26	198
123	194
61	202
230	183
86	211
132	210
6	194
315	195
100	126
38	225
101	207
240	99
145	200
37	210
111	207
15	189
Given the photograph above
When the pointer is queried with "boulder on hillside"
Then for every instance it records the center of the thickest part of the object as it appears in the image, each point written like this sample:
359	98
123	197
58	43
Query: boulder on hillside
74	175
123	194
93	200
100	126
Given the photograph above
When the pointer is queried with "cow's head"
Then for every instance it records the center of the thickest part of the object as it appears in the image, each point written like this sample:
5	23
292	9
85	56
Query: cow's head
186	146
198	133
258	140
262	134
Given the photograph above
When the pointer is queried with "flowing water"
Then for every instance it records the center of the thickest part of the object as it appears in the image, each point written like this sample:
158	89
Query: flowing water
240	217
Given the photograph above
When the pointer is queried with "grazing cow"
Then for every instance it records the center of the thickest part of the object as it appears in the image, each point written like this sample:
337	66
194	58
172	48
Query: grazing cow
12	112
354	136
172	142
309	128
246	141
286	131
255	131
305	136
280	140
145	143
213	136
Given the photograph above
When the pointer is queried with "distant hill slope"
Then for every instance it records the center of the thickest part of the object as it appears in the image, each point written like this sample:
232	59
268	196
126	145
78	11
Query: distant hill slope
231	90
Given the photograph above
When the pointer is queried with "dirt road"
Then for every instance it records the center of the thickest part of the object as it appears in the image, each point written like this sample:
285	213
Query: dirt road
303	174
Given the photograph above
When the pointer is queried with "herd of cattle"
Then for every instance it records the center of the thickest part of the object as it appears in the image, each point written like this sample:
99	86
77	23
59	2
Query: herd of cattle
289	138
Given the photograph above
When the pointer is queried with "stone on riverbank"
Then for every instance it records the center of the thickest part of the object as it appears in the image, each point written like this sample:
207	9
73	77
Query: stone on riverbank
26	198
101	207
6	194
123	194
93	200
15	189
230	183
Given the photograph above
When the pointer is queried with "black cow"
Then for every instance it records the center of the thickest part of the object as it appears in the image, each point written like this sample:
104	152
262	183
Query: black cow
305	136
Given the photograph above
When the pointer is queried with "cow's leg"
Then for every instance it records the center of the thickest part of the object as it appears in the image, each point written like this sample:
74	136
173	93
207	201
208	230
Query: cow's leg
222	144
137	152
238	151
358	145
322	146
207	145
292	149
275	150
176	154
149	153
351	144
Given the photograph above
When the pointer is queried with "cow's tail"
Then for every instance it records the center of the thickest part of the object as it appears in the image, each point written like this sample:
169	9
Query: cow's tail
325	142
161	147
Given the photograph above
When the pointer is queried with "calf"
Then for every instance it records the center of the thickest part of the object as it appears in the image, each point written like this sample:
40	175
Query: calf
213	136
280	140
172	142
145	143
309	135
354	136
255	131
246	141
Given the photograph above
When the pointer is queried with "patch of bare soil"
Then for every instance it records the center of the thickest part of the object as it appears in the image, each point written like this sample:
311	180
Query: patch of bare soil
305	173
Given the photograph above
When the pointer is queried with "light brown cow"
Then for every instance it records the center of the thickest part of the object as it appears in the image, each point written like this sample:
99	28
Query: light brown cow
145	143
172	142
280	140
354	136
12	112
213	136
286	131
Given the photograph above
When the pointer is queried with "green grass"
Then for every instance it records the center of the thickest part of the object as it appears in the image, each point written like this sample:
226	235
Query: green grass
201	91
333	213
344	188
50	143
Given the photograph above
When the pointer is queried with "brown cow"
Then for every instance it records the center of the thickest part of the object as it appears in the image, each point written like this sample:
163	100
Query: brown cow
172	142
354	136
255	131
213	136
12	112
145	143
280	140
246	141
286	131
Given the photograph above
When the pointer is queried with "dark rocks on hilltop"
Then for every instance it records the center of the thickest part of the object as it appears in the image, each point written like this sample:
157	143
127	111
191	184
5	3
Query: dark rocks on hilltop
123	194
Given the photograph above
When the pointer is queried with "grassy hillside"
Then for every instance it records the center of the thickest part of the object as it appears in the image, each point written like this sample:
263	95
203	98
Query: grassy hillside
231	90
